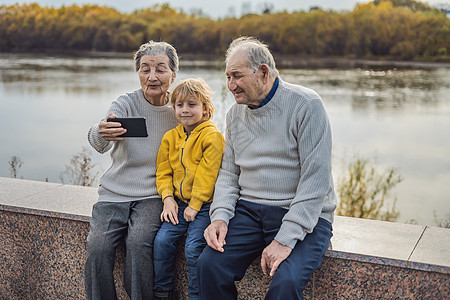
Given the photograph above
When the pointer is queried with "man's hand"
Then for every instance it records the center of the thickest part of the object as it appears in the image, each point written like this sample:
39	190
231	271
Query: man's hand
170	211
190	214
215	235
273	256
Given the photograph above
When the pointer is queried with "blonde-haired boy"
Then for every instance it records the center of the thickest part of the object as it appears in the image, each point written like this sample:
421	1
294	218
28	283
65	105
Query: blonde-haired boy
188	163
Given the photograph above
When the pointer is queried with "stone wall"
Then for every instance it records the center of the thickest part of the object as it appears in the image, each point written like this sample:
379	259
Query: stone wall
43	230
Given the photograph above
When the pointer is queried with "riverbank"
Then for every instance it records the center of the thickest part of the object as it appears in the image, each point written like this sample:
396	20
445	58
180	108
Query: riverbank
282	61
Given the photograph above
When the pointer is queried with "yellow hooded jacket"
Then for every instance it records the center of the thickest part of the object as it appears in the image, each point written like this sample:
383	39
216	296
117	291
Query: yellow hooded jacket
187	166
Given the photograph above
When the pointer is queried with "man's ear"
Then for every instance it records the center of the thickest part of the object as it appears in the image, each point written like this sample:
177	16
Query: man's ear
265	71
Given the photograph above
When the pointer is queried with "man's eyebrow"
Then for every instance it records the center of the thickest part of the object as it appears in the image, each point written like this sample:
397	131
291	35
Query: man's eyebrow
233	72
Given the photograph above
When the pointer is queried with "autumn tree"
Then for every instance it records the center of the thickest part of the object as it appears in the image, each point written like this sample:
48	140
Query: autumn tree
396	29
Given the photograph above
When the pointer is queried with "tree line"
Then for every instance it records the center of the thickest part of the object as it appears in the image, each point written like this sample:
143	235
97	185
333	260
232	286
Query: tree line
398	29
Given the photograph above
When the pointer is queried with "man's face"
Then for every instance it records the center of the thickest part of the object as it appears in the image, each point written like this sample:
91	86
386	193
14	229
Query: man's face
246	85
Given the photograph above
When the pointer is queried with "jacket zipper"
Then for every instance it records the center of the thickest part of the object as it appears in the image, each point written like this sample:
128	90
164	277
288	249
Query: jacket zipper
184	168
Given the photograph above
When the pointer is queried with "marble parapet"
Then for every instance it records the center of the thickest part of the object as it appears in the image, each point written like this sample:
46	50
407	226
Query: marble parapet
44	228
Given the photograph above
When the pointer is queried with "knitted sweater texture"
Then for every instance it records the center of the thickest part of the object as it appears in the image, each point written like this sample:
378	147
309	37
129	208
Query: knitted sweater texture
132	174
279	155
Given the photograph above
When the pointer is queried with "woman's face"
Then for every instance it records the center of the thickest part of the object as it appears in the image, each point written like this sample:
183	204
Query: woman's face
155	77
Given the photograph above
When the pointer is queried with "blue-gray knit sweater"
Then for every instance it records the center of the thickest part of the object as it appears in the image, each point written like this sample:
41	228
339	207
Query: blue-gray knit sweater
279	155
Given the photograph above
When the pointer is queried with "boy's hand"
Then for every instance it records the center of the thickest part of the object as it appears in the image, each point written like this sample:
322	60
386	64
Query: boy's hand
190	214
170	211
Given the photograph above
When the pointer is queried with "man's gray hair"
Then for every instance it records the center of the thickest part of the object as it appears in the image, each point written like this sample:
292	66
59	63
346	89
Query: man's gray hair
257	52
157	48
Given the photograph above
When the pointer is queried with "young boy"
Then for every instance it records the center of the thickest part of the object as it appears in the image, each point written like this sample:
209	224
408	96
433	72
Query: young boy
188	163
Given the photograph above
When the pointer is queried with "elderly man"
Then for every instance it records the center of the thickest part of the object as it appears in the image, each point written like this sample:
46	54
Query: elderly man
274	196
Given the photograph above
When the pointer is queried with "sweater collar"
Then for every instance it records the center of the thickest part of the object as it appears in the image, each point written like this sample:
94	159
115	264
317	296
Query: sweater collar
200	127
271	93
273	100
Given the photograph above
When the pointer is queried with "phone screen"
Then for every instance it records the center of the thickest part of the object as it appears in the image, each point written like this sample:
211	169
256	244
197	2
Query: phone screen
135	126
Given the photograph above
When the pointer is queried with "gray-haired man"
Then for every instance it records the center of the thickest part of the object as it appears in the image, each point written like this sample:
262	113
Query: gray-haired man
274	195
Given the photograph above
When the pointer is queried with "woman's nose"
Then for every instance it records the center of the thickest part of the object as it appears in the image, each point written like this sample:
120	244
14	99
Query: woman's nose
151	75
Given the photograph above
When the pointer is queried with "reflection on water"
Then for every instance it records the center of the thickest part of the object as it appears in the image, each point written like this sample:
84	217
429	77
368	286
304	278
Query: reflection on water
398	117
370	89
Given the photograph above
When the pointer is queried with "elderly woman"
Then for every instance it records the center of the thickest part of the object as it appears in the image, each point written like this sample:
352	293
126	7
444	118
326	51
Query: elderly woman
129	206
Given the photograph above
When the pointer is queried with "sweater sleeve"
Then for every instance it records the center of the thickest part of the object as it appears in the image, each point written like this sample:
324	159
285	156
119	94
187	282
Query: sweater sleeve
314	148
164	172
207	170
96	140
227	188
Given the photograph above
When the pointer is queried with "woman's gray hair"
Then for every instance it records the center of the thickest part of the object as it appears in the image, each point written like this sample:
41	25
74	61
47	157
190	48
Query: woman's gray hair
157	48
257	52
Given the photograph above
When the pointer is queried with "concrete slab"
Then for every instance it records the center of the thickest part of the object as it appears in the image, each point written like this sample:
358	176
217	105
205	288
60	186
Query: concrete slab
46	196
433	247
14	189
67	199
375	238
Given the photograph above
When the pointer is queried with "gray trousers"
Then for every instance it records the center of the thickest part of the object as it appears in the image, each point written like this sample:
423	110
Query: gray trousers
137	222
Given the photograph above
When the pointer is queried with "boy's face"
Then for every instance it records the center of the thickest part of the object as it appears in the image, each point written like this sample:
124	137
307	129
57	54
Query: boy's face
189	113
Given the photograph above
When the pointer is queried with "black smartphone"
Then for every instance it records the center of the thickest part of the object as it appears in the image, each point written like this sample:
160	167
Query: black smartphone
135	126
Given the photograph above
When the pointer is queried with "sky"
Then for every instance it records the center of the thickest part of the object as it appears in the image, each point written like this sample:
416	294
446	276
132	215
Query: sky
217	9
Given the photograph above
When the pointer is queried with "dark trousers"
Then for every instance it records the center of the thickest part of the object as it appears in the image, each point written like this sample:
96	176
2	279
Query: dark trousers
137	222
254	227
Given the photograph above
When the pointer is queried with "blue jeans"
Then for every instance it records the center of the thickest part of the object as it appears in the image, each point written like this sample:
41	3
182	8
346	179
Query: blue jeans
253	227
165	250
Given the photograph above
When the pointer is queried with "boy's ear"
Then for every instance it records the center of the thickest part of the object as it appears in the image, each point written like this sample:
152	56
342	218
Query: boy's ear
205	112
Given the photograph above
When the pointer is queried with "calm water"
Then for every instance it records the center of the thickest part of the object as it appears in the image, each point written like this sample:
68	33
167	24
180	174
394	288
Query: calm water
396	117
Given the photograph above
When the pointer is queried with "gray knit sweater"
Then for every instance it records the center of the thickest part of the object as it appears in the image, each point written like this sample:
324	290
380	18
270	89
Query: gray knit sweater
279	155
132	175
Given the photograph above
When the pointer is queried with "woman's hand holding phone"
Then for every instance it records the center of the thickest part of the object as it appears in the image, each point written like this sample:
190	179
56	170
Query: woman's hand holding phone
110	131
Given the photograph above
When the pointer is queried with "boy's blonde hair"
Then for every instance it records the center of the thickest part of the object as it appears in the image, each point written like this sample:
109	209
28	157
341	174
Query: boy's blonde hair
197	88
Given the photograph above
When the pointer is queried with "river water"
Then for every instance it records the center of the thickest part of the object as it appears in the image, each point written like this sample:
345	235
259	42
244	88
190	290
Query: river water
396	117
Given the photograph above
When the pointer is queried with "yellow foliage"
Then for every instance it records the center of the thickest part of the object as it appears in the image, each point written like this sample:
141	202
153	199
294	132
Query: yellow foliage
377	28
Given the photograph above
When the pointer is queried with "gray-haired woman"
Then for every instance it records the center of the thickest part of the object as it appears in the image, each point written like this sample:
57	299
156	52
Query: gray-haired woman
129	206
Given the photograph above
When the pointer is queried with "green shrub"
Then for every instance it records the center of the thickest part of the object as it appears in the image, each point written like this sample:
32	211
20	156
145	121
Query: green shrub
364	193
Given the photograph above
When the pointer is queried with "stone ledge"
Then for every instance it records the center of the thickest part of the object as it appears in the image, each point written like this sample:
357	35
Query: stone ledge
44	228
383	241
